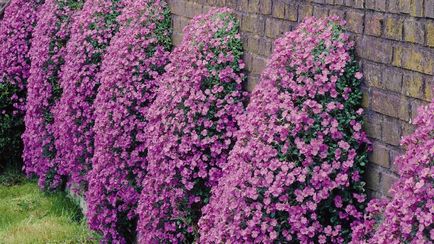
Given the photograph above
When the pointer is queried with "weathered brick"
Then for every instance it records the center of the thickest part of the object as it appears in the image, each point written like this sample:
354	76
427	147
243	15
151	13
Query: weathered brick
393	6
397	55
416	8
291	12
265	6
278	9
275	27
392	79
258	64
253	6
359	3
373	24
393	28
379	155
252	81
304	11
384	103
373	74
414	31
373	125
337	12
365	97
404	109
339	2
380	5
420	60
404	6
387	180
415	104
370	4
429	8
375	49
407	129
355	20
413	85
429	28
429	86
391	133
320	11
373	178
253	23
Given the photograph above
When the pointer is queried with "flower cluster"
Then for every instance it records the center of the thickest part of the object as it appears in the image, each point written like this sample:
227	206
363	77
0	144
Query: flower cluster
50	36
74	117
294	174
16	31
409	216
191	127
129	79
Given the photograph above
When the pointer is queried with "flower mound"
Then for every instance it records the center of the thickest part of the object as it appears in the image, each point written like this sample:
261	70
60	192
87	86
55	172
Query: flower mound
129	80
43	90
73	114
16	29
295	172
191	127
408	216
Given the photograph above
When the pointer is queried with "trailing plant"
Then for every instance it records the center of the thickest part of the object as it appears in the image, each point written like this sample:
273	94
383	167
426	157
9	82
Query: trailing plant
191	127
74	115
294	174
129	79
47	53
16	29
408	217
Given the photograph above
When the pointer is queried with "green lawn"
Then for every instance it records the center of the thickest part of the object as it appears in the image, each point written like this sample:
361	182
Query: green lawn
28	215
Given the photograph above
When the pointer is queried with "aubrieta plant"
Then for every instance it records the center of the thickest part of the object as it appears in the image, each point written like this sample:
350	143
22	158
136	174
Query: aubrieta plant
74	116
294	174
408	217
129	80
16	29
191	128
47	54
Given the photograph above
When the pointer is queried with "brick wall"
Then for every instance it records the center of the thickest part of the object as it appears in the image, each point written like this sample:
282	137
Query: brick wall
395	45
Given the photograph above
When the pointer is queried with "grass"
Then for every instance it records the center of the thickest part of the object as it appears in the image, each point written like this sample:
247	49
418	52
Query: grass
28	215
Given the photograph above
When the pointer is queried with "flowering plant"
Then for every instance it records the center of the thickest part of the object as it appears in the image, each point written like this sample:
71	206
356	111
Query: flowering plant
294	174
15	37
408	217
191	127
50	37
129	79
74	117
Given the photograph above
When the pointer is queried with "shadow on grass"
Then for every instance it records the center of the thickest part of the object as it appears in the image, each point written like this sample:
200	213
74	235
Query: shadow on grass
28	215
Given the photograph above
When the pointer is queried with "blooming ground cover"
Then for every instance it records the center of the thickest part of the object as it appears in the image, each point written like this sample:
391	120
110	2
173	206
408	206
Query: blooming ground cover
16	30
129	80
295	172
160	144
50	37
191	127
408	217
74	116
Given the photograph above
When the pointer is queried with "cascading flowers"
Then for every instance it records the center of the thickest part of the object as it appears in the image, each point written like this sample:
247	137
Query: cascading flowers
191	127
74	118
129	80
16	29
408	217
47	53
295	173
